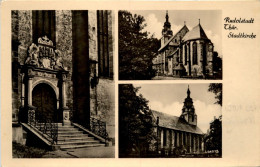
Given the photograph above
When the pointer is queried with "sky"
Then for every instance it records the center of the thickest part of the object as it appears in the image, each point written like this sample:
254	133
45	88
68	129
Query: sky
210	21
169	98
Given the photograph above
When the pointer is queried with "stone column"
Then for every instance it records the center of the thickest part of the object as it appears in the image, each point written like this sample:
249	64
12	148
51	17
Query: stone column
29	91
200	55
210	59
23	90
63	103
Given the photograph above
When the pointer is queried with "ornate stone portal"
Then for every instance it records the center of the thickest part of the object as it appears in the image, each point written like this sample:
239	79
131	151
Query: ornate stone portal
44	66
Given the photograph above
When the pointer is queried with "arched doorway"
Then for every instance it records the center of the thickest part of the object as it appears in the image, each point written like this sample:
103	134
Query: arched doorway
45	101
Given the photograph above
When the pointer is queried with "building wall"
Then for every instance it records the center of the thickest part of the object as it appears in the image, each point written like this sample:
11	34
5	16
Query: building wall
177	140
64	44
101	97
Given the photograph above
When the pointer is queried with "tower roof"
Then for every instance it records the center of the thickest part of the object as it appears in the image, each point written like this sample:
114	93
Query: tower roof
167	24
196	33
188	103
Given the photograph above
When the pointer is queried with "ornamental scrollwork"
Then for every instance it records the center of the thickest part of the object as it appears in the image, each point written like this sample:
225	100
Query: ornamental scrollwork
44	55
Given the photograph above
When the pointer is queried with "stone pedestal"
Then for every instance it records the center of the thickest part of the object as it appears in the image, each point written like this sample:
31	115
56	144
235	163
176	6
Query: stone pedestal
66	117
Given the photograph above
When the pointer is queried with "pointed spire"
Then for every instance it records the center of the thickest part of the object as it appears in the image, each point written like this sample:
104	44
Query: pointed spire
188	91
199	21
184	22
167	17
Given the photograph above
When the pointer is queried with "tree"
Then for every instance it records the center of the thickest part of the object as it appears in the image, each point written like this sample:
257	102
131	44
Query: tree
135	122
216	88
136	49
217	66
213	140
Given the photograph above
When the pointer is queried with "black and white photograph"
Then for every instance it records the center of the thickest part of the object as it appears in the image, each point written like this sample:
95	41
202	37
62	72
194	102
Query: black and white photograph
170	44
130	83
63	95
170	120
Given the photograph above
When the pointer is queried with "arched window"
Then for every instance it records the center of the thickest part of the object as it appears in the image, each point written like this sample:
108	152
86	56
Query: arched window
195	55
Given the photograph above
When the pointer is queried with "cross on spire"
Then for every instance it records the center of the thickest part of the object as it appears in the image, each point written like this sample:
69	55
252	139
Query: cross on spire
199	21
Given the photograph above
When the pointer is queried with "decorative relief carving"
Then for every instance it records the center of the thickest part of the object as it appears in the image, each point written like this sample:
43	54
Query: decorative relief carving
44	55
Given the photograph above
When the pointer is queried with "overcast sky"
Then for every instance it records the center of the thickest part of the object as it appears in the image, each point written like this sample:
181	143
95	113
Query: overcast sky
169	98
210	21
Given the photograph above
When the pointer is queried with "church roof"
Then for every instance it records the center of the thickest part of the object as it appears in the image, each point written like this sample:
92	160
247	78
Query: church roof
196	33
167	43
176	123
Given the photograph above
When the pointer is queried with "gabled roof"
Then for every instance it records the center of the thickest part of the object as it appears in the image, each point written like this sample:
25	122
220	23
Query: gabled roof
196	33
167	43
176	123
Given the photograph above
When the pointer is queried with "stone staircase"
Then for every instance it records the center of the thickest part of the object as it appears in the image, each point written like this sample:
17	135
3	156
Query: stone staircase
70	137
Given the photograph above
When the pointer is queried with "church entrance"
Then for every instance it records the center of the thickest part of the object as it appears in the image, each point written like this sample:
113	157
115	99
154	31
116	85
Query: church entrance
45	101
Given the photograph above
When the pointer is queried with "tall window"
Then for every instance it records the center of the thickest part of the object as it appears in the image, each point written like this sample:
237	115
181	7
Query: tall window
204	55
164	137
185	54
43	24
105	57
195	55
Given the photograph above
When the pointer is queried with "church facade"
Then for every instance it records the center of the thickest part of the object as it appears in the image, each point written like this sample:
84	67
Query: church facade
178	133
62	70
188	53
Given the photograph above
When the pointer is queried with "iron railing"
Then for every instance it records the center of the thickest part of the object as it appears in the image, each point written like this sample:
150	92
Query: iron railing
45	125
98	127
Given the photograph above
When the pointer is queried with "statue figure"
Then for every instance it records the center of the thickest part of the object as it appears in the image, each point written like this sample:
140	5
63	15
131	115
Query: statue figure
58	62
32	58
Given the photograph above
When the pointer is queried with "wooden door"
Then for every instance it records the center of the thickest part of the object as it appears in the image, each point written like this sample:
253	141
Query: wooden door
44	98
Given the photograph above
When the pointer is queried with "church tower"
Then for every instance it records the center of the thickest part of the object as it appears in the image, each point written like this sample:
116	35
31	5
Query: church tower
188	110
166	31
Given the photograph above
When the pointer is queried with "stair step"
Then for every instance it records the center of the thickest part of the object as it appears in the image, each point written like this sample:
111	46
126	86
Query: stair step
85	137
70	132
62	135
79	142
81	146
67	129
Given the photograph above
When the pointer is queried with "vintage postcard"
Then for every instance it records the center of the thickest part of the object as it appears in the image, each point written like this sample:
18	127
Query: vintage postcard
140	83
